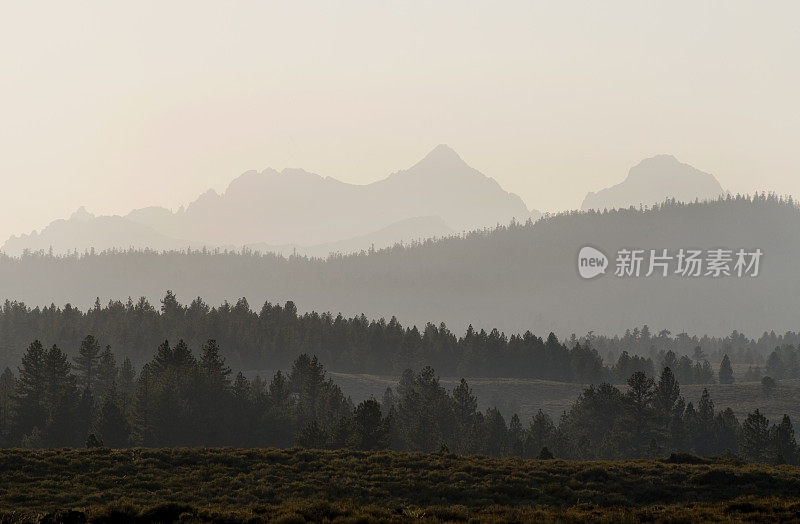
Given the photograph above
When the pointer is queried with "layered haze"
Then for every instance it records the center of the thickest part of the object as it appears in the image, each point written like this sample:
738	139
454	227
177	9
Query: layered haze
511	278
296	211
228	226
156	129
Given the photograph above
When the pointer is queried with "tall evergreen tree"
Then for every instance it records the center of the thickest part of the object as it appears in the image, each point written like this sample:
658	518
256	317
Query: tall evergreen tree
639	419
84	415
725	371
29	406
496	443
704	426
214	396
143	431
666	393
7	383
726	432
540	433
60	400
783	442
86	363
213	367
755	437
106	372
370	430
112	424
127	381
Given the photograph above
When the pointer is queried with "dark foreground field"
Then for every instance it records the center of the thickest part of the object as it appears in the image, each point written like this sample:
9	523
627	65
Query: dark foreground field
296	485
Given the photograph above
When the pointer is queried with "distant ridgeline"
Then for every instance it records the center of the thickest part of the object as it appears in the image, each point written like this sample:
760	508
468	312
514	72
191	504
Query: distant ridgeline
274	336
513	278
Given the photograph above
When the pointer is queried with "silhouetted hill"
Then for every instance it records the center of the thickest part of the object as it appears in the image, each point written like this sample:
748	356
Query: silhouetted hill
296	208
514	278
654	180
84	230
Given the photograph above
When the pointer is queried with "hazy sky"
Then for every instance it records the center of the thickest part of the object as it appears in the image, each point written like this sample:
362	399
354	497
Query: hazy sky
116	105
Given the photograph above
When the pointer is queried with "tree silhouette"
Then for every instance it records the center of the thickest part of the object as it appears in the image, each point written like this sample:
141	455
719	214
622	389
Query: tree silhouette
725	371
86	363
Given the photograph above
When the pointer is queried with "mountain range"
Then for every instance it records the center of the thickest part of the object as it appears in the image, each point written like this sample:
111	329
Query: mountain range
294	211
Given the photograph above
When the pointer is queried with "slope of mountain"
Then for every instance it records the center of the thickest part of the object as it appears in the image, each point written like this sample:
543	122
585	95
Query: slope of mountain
296	208
406	231
83	231
513	278
654	180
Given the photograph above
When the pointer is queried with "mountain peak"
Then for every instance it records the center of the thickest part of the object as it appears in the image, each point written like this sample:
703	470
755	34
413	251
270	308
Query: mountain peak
81	215
443	154
663	157
663	160
653	180
442	159
294	206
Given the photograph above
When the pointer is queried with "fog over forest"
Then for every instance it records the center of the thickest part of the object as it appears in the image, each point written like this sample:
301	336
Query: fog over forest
240	282
514	278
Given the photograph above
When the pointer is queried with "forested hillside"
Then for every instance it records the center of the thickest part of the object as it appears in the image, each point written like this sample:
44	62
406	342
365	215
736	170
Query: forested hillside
272	337
513	278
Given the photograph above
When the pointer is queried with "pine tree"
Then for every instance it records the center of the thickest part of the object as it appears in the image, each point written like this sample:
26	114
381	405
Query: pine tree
29	410
370	431
466	404
666	393
214	398
775	367
127	380
755	437
726	432
545	454
783	442
60	399
86	363
106	372
163	357
515	435
312	435
279	392
213	367
144	431
496	443
170	307
465	407
84	415
540	433
704	426
725	371
639	422
112	424
7	383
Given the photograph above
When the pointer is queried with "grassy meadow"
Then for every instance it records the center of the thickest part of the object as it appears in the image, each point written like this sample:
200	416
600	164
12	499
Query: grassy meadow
299	485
